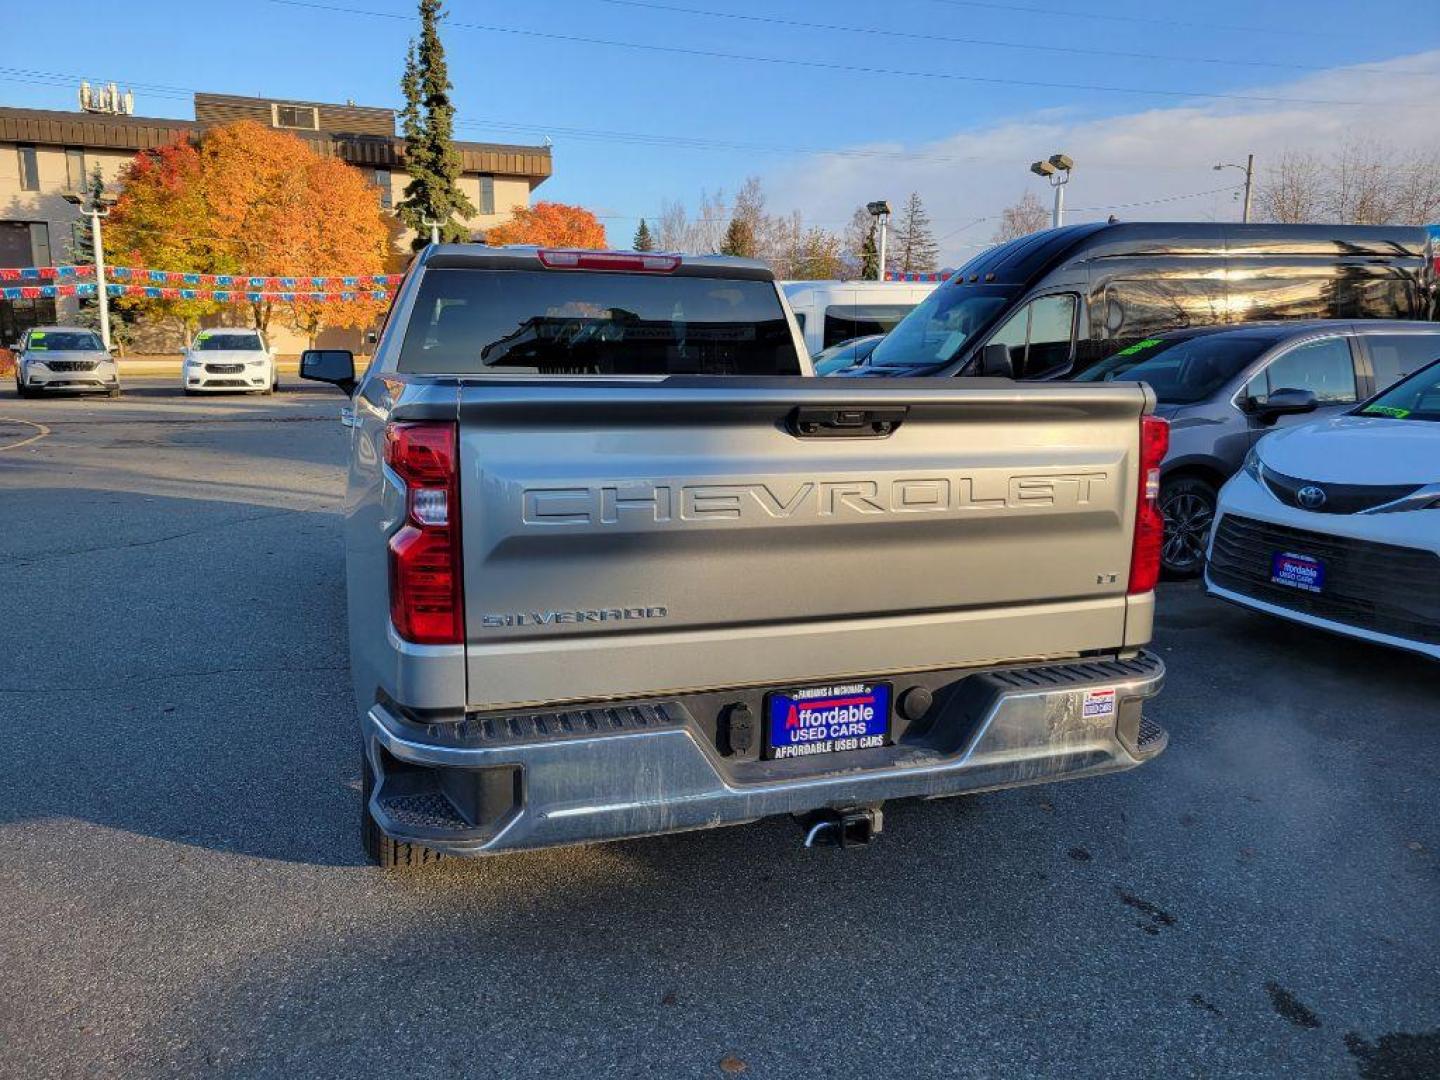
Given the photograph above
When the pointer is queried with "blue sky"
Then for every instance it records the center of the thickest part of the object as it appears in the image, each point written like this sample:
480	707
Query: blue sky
844	116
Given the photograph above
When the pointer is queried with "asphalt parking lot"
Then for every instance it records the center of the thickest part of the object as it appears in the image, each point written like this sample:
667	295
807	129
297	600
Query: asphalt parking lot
184	892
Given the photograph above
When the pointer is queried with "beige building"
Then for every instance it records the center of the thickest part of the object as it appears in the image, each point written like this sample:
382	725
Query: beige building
46	154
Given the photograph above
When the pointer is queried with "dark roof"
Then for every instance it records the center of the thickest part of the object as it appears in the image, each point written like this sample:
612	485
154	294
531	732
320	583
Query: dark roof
1021	261
100	131
1278	329
334	119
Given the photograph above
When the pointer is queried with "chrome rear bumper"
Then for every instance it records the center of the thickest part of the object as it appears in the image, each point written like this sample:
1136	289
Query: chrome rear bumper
533	786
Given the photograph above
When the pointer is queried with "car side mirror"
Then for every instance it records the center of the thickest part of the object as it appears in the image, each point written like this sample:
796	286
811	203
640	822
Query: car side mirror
334	366
995	361
1286	402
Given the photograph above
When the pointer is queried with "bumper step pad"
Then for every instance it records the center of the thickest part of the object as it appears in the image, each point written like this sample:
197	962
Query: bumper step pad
512	728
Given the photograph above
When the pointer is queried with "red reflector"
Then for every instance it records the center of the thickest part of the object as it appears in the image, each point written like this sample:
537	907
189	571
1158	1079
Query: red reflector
426	598
632	261
1149	522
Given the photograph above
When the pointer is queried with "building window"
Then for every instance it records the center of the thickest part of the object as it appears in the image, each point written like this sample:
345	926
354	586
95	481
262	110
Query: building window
40	243
29	169
75	178
303	117
487	194
382	181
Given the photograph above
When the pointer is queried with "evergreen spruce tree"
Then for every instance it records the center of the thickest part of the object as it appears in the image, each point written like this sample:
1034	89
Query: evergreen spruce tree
869	256
428	125
914	248
644	238
739	239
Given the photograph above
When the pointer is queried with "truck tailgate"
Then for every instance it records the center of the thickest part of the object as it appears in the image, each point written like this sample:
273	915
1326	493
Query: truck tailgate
652	537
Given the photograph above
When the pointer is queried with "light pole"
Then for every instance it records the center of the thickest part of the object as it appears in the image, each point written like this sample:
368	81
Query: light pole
1057	171
434	227
880	211
95	205
1249	169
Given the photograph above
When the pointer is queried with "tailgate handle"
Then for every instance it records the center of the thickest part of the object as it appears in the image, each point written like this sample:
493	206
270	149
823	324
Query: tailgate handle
845	421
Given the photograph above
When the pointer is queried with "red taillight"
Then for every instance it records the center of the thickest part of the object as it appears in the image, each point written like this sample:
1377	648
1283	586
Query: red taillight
630	261
1149	522
426	600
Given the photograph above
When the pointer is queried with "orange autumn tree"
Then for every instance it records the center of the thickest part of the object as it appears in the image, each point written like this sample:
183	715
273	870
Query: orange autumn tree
287	211
161	222
262	202
550	224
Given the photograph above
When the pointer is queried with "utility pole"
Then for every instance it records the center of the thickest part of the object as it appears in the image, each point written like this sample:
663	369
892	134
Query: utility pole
880	211
1057	170
1249	169
95	208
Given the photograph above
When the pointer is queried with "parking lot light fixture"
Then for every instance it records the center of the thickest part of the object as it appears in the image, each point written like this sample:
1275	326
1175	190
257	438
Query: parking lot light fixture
1249	169
1056	169
96	207
880	211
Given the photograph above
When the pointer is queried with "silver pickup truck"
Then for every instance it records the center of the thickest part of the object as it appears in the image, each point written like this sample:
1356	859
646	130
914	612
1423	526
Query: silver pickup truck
616	567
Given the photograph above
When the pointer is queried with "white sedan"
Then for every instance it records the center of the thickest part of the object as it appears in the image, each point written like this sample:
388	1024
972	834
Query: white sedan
229	360
1336	523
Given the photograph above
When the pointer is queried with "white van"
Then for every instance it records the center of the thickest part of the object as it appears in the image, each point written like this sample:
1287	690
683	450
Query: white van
830	312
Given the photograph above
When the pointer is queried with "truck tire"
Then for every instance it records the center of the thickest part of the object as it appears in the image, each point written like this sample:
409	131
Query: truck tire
384	852
1188	505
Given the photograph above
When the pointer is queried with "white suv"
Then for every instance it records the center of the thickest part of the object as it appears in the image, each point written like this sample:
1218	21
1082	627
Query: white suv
67	359
228	359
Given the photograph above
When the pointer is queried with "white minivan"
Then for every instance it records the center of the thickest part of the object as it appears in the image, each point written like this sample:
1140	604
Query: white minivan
830	312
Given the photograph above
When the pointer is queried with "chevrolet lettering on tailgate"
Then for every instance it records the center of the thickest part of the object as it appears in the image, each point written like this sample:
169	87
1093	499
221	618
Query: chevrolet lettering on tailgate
641	503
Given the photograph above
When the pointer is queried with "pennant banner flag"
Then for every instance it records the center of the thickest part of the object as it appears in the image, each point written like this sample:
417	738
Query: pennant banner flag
44	273
269	283
252	282
223	296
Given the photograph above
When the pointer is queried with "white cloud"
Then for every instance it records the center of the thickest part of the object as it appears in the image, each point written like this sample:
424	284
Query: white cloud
1133	158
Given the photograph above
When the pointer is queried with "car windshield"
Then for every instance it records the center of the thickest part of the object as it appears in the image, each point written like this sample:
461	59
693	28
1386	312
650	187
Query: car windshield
934	332
1417	398
63	341
596	323
1183	370
211	341
846	354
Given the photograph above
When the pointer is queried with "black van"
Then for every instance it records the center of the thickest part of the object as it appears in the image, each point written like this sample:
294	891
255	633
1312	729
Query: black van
1062	299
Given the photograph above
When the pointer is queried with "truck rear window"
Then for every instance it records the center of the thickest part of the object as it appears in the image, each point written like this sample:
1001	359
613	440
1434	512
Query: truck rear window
558	322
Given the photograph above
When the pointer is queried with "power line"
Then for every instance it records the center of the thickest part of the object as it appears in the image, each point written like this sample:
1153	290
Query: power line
1112	206
996	44
1092	16
829	65
656	139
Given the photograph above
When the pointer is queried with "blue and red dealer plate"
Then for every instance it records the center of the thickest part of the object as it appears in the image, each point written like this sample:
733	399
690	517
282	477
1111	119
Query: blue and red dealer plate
827	719
1298	571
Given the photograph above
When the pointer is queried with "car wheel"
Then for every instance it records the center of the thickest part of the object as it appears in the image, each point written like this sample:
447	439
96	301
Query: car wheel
380	849
1188	506
113	392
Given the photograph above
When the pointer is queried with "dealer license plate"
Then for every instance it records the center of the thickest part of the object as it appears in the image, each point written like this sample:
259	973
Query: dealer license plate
827	719
1298	571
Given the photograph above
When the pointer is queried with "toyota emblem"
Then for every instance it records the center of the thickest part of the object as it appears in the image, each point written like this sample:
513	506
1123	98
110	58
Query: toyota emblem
1311	497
